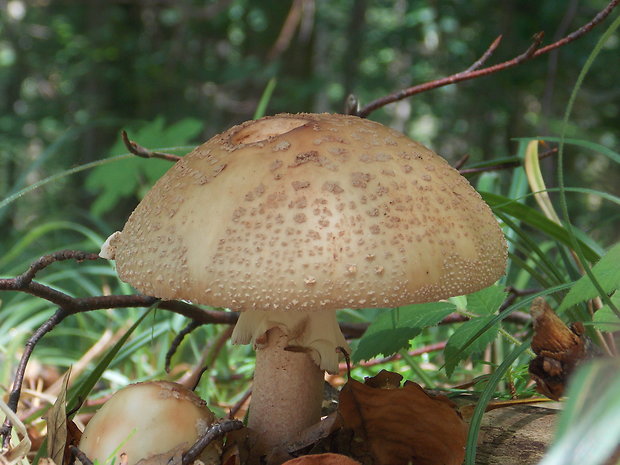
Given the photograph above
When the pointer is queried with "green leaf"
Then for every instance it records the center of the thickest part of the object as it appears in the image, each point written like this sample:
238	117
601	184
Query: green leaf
83	390
115	181
605	319
487	300
612	155
537	220
461	345
393	329
607	273
386	342
485	397
424	315
261	108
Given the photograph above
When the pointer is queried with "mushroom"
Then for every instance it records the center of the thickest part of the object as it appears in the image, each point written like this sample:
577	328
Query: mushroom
149	421
290	217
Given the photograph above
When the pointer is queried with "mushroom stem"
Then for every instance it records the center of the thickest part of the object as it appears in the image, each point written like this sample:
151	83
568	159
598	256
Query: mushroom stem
286	394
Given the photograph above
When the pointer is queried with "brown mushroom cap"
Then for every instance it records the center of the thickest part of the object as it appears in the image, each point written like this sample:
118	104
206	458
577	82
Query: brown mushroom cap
310	212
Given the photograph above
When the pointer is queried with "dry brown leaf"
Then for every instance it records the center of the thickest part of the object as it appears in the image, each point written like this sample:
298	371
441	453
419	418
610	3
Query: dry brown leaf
322	459
238	446
558	349
393	425
74	434
56	418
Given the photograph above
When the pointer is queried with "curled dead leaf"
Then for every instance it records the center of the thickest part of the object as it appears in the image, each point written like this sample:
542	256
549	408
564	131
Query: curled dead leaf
558	348
392	425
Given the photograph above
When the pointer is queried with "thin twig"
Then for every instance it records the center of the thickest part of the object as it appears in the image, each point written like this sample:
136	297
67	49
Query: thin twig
176	342
461	162
485	56
81	456
347	360
211	355
532	52
46	260
143	152
380	361
75	305
20	372
214	431
235	408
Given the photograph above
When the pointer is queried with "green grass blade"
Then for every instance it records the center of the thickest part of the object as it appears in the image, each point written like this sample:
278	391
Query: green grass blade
504	313
265	98
483	401
612	155
78	169
34	234
537	220
588	430
576	245
83	390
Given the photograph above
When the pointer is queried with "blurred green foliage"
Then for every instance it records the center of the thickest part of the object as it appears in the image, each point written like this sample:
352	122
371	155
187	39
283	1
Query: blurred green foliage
128	177
73	74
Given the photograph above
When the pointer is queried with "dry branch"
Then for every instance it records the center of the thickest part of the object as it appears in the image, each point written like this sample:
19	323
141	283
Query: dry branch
143	152
474	72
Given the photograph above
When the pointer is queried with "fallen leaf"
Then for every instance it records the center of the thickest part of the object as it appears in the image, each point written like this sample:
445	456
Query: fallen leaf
558	348
313	434
56	418
74	434
392	425
238	446
323	459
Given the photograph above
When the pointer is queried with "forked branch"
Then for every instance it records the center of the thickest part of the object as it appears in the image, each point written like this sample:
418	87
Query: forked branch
474	71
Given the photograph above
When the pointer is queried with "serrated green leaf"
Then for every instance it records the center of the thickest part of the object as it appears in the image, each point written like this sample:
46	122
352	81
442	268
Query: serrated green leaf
459	346
393	329
607	273
386	342
424	315
486	301
115	181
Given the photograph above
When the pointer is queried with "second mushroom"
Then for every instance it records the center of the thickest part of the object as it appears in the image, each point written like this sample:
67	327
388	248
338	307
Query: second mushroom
289	218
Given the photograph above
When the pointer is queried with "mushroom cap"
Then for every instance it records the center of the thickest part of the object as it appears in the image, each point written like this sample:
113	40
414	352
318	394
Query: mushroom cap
145	420
310	212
